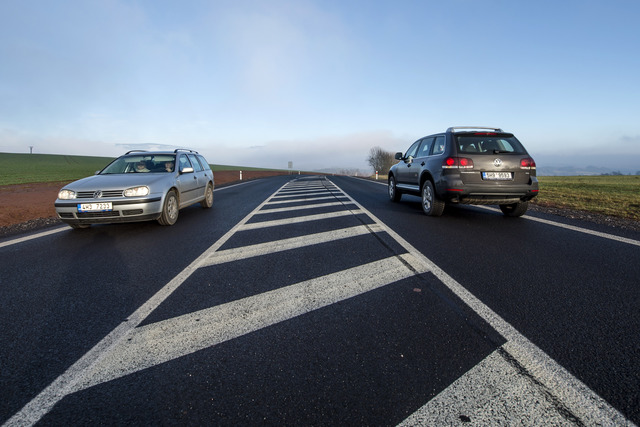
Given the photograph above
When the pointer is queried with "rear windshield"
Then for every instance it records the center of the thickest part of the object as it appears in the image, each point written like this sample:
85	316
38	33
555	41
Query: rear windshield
489	143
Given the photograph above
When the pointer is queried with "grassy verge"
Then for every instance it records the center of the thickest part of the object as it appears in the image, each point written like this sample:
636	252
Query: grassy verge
608	195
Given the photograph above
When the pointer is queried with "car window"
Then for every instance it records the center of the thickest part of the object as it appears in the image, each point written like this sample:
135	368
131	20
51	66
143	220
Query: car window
196	164
412	150
425	147
438	146
184	162
204	163
468	144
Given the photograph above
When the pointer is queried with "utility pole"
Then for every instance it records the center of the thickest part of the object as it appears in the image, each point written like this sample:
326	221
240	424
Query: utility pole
31	149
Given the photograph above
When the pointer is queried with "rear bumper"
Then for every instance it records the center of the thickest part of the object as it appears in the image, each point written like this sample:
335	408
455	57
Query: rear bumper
494	193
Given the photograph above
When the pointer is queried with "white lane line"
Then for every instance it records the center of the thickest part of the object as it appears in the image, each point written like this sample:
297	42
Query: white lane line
295	208
559	224
33	236
163	341
33	411
573	393
244	252
299	219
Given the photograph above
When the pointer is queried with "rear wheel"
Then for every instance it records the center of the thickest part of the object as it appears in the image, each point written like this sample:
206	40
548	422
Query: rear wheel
170	209
431	204
207	202
394	194
515	209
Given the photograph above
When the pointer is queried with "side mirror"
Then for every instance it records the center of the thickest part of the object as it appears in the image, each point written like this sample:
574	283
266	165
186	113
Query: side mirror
398	156
186	170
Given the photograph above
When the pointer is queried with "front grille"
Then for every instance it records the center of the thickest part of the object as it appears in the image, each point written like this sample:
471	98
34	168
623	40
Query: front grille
98	214
66	215
105	193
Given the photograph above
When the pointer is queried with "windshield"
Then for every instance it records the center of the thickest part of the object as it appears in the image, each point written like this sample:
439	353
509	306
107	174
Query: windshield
141	163
490	144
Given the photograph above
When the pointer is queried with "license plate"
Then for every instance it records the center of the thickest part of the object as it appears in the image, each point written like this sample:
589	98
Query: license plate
497	176
95	207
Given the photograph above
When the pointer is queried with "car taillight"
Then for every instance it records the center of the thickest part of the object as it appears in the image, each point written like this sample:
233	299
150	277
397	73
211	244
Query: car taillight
527	163
457	163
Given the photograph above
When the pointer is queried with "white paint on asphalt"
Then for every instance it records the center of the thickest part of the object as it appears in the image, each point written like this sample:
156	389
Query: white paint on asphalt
244	252
298	219
482	392
163	341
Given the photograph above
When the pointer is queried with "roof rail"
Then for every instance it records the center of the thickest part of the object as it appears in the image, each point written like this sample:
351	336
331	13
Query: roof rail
454	128
185	149
135	151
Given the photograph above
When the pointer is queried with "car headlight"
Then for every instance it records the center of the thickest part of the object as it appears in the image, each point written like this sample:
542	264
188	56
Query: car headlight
66	195
136	191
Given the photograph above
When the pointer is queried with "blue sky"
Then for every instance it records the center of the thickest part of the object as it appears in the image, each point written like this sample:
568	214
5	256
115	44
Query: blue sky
319	82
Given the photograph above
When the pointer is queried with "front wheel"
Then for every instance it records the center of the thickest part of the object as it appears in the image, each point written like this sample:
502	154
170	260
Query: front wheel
394	194
170	209
431	204
515	209
207	202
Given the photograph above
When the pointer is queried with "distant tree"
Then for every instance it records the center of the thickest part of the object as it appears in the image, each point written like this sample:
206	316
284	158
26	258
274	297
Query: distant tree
380	160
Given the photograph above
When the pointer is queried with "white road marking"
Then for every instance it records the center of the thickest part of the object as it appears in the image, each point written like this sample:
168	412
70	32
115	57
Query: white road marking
33	236
163	341
115	355
290	208
570	392
244	252
298	219
559	224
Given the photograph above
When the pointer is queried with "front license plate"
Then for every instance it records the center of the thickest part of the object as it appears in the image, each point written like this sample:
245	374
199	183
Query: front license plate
497	176
95	207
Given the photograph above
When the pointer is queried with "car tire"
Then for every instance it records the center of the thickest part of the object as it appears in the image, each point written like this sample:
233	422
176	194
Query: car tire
170	209
394	194
515	209
207	202
431	204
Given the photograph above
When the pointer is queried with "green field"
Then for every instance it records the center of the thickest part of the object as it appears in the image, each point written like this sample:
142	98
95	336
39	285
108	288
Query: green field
609	195
29	168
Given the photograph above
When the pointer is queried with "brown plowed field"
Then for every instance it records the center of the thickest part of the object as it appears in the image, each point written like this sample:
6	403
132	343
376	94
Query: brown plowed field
25	202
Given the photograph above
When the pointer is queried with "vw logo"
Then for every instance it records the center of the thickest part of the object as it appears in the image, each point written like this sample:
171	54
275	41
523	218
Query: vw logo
497	163
98	194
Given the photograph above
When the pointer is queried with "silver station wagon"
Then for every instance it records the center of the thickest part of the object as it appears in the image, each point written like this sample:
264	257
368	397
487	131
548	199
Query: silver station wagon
138	186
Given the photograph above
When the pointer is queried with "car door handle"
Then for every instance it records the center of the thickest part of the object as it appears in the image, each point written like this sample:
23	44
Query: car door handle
422	164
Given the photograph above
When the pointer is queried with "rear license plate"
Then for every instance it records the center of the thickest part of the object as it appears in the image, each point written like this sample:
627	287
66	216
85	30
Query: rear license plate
497	176
95	207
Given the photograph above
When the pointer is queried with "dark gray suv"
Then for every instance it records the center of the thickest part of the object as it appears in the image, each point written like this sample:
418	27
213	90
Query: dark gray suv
466	165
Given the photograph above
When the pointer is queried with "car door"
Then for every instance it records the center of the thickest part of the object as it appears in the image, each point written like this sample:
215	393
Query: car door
406	170
187	181
200	175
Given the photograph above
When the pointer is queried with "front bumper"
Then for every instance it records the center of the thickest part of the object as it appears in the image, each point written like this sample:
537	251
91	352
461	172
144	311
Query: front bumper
123	211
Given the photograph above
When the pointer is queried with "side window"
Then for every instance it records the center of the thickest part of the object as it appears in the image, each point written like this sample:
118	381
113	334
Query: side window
204	163
438	147
425	147
196	164
412	151
184	162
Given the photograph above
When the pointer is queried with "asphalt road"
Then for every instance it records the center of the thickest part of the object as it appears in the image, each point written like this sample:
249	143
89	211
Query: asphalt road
304	300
